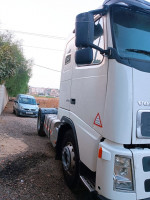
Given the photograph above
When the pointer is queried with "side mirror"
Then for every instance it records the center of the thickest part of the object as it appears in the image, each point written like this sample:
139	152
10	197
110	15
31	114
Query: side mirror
38	104
84	56
84	30
15	101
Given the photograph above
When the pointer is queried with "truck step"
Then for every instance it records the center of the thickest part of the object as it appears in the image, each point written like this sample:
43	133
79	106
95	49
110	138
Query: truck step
90	186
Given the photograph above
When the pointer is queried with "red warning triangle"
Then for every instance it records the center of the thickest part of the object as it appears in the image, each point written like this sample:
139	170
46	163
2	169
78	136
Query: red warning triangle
97	121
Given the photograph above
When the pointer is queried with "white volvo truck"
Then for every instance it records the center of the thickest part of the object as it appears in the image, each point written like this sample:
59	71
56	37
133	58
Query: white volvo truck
102	129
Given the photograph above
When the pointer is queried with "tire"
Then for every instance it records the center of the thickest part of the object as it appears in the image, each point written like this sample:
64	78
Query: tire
17	113
70	161
40	124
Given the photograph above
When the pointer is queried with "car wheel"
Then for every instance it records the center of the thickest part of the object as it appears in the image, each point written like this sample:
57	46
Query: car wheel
40	124
17	113
70	161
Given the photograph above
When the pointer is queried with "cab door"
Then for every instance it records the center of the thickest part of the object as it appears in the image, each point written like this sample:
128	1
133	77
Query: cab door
66	74
89	83
88	92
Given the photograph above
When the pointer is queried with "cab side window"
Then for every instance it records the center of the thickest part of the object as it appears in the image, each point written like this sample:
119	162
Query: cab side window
98	41
68	54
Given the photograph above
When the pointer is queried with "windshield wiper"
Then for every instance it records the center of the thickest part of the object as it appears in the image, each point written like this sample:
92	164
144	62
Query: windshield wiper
147	53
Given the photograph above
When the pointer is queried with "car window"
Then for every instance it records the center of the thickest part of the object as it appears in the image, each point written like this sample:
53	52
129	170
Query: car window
25	100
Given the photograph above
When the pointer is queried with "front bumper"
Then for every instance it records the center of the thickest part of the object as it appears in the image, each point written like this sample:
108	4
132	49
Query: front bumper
140	172
100	197
141	158
27	113
105	172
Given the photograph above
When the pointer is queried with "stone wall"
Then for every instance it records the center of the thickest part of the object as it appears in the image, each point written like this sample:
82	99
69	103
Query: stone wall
3	98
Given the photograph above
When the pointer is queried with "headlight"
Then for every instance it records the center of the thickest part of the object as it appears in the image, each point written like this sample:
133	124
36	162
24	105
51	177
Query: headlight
123	179
21	108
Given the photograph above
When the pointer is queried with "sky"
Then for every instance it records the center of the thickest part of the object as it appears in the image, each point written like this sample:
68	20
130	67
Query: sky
42	27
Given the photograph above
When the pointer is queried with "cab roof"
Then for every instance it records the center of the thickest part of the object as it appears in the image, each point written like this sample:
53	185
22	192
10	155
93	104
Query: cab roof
138	3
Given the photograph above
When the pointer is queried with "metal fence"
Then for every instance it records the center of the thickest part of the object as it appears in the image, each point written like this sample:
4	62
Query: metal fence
3	98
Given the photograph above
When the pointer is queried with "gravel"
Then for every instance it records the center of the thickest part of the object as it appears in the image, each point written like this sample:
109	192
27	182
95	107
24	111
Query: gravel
28	169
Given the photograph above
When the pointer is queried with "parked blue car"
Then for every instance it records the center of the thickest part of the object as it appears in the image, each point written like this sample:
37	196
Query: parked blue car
25	105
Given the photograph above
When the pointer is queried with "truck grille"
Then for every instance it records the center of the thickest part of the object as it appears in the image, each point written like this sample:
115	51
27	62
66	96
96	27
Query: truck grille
146	164
143	124
146	168
147	185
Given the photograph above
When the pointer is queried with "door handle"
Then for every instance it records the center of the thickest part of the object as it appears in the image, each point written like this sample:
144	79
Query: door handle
73	101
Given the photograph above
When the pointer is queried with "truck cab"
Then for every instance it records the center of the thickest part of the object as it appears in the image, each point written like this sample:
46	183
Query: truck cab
102	134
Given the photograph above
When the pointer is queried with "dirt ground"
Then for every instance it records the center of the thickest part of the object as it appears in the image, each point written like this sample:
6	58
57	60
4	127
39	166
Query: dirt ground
47	102
28	169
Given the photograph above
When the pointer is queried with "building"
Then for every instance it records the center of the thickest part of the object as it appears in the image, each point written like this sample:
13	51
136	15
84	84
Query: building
37	91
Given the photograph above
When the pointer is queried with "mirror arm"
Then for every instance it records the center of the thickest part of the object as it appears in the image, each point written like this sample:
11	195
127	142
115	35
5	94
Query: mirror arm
110	52
113	54
102	51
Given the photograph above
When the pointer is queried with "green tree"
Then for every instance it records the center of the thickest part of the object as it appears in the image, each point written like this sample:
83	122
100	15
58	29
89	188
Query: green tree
19	82
15	70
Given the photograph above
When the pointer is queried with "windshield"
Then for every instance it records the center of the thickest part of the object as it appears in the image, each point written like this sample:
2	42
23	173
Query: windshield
25	100
131	30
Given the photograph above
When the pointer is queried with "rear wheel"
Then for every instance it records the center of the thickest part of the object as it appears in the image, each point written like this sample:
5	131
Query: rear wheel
70	160
40	124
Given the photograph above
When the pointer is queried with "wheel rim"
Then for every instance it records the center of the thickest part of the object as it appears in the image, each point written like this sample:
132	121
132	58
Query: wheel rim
68	159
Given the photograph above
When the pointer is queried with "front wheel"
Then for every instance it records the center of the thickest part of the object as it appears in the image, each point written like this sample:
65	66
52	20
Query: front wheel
70	160
17	113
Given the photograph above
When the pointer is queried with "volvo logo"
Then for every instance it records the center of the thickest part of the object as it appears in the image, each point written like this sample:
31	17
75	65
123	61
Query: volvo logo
143	103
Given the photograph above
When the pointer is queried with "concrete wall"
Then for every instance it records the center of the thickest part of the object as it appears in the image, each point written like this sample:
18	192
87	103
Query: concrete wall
3	98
